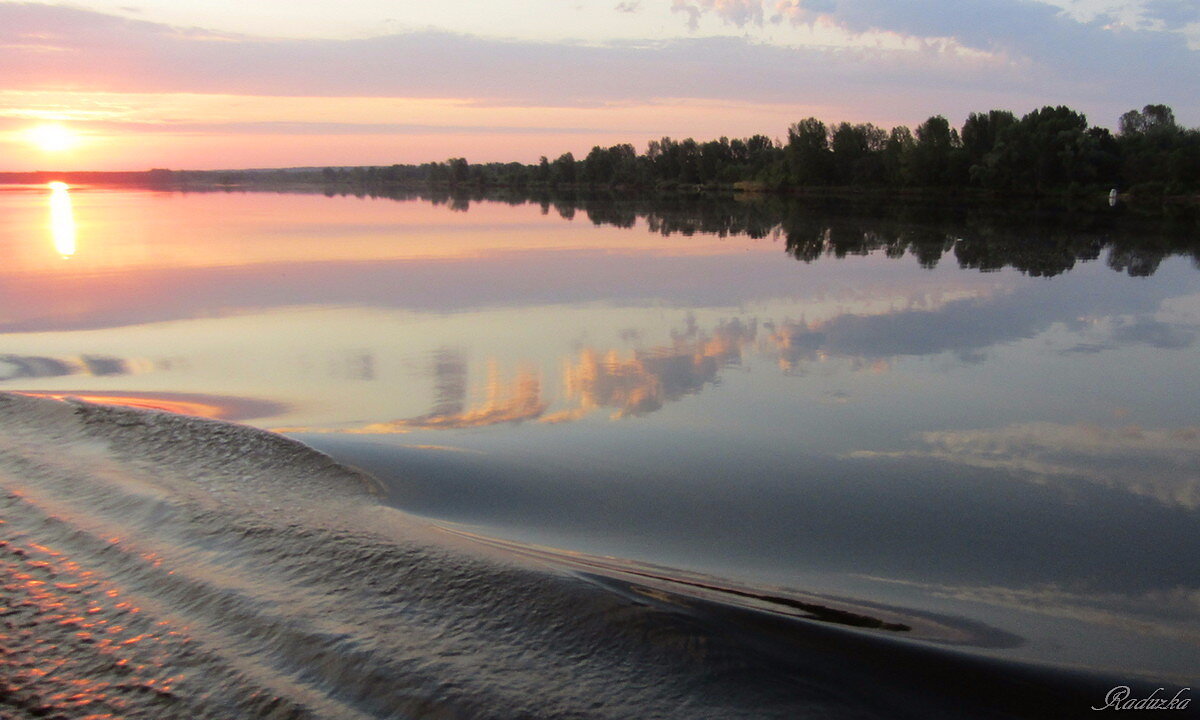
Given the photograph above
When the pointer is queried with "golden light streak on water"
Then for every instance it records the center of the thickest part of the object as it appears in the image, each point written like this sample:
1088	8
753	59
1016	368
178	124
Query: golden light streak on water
62	220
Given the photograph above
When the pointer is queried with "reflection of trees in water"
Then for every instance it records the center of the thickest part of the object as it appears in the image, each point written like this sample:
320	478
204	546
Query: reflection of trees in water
986	238
1045	256
989	238
1141	257
1035	246
1037	243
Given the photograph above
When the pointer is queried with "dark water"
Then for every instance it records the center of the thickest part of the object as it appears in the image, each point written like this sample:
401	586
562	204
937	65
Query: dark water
701	459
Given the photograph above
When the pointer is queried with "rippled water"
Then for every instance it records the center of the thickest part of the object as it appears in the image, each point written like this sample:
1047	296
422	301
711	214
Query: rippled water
591	458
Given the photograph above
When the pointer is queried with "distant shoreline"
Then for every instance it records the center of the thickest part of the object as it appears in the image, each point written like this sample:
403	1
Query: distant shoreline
139	178
308	180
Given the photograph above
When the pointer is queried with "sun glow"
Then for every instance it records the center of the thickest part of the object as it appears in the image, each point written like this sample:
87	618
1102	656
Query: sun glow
52	138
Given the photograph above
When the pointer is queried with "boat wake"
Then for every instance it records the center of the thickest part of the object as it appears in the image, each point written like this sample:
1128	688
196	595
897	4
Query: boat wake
159	566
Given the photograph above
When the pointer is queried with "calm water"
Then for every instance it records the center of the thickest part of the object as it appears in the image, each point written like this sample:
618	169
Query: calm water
813	447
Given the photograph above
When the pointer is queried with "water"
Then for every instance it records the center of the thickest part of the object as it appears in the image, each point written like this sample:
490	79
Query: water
592	458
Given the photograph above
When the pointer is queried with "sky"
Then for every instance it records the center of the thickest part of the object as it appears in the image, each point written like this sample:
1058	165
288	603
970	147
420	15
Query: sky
209	84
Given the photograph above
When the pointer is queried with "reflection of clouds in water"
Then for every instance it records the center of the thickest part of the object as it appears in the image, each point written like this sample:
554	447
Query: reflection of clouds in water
1163	464
642	383
13	367
634	385
835	397
507	401
450	382
964	327
795	344
1165	612
1155	334
1142	330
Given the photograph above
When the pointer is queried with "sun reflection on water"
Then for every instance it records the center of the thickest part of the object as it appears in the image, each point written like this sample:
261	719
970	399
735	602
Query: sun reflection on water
62	220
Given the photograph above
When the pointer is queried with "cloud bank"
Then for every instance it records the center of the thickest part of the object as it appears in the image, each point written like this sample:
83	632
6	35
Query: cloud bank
1029	54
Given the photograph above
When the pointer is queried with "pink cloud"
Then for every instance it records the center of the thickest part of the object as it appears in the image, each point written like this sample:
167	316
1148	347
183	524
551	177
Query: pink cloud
737	12
1095	71
97	52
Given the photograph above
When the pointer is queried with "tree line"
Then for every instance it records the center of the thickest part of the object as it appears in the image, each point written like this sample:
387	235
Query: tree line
1049	150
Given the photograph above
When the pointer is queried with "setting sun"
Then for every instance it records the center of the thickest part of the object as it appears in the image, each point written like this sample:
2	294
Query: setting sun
52	138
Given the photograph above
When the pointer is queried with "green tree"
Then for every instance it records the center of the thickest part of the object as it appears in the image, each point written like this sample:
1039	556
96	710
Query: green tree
458	171
933	161
897	156
563	170
857	152
809	159
979	135
1151	120
715	157
1157	154
1045	150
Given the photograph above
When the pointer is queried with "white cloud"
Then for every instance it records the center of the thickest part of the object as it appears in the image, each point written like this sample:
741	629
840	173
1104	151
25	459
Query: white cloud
737	12
1163	464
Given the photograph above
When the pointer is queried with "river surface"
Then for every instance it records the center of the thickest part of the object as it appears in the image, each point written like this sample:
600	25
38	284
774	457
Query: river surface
298	455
